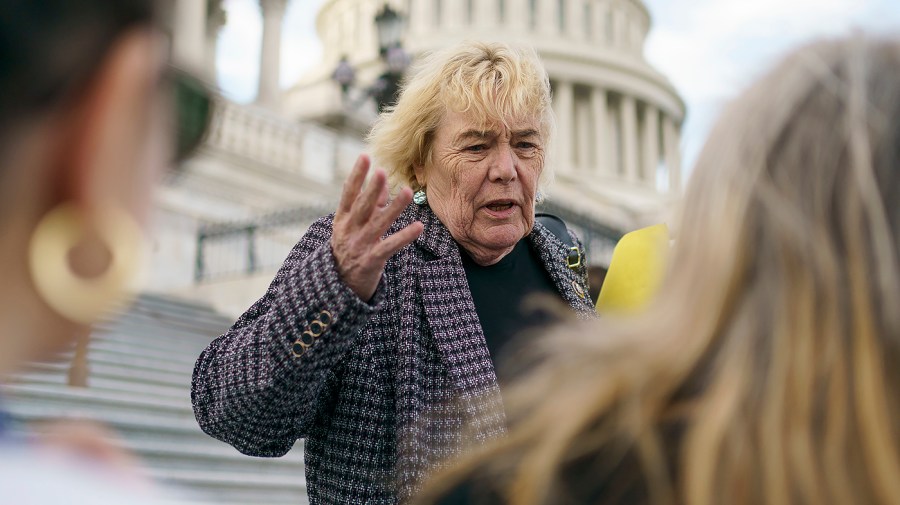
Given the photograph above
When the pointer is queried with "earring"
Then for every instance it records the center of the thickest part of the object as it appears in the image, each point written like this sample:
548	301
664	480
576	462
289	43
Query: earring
83	299
419	197
539	197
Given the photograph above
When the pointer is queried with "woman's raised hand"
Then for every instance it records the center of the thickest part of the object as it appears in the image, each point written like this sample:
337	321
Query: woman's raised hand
362	217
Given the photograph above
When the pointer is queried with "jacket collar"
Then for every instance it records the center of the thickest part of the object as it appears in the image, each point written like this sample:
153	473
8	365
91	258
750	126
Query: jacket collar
436	238
571	283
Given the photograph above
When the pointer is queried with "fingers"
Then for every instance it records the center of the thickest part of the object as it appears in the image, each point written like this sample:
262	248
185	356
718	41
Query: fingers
393	243
362	211
354	183
386	216
383	197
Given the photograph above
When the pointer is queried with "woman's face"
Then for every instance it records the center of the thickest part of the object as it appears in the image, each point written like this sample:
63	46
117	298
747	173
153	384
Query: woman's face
482	182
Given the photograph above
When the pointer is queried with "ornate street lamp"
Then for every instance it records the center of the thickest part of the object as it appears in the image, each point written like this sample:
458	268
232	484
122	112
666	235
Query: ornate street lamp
390	25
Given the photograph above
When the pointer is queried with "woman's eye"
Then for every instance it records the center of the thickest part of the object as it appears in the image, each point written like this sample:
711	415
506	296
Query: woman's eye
476	148
525	145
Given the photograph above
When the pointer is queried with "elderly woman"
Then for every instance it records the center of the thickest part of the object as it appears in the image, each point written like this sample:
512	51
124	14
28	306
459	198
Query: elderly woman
377	341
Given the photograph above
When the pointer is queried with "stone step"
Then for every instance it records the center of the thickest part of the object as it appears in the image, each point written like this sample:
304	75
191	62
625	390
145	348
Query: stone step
153	343
79	400
158	335
173	329
236	487
139	385
100	367
165	429
175	308
212	454
147	426
161	386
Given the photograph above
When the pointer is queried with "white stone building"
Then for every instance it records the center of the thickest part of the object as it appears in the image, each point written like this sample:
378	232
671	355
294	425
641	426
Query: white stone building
616	155
271	167
618	119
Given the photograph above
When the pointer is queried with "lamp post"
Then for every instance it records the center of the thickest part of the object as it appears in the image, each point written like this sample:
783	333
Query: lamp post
390	25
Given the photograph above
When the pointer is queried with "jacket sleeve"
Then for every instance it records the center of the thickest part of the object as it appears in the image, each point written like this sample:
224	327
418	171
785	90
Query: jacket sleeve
256	387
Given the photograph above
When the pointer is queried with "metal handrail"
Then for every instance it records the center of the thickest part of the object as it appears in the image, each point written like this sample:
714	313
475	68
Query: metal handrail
254	245
262	243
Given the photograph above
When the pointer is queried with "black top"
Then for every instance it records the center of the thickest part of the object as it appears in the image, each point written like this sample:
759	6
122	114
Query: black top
499	291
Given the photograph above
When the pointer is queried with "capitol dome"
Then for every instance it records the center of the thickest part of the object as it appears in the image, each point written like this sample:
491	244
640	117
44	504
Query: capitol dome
616	153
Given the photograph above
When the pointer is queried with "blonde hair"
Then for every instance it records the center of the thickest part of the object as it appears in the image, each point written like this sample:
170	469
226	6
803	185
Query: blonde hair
492	82
765	372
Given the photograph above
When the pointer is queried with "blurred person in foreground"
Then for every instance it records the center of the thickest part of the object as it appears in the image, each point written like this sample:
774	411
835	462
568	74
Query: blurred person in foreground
766	371
378	338
85	119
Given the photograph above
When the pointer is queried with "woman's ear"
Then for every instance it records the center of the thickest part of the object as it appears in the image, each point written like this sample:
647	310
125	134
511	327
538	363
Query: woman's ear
419	171
110	125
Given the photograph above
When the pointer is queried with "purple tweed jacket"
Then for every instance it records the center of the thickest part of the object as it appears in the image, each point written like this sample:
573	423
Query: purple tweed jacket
386	391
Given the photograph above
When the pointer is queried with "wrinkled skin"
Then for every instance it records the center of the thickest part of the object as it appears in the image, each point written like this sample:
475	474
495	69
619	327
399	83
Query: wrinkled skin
482	183
363	216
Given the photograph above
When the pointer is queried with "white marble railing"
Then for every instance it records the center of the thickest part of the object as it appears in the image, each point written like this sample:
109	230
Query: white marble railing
260	136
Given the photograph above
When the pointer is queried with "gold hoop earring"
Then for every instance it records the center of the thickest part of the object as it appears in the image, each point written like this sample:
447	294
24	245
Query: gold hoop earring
79	299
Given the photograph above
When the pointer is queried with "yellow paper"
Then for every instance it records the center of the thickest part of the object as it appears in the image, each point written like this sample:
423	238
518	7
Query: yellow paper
635	271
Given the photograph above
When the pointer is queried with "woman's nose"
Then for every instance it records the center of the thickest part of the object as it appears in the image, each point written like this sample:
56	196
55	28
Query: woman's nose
503	166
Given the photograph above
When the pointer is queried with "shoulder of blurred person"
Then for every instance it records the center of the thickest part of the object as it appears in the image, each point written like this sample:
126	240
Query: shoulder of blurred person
84	136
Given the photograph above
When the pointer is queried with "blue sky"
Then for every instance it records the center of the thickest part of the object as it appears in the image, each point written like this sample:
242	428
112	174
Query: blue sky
709	49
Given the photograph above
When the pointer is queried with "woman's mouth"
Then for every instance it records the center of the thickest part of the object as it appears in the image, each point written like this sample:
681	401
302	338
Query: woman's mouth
500	209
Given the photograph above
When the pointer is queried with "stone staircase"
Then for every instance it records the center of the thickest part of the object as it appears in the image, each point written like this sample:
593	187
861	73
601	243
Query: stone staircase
139	384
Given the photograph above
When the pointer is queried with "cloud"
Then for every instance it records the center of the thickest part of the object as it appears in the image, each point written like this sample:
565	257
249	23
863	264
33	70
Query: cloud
237	56
711	49
240	42
301	49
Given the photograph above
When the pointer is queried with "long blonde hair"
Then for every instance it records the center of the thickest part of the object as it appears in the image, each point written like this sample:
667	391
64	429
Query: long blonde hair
764	371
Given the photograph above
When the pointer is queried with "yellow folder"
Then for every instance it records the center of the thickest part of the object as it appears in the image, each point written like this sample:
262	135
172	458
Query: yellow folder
635	271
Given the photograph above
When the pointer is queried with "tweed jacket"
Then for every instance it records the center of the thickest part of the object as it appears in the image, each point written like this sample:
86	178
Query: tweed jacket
387	389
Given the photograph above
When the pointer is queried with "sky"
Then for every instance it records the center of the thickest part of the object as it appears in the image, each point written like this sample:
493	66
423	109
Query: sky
709	49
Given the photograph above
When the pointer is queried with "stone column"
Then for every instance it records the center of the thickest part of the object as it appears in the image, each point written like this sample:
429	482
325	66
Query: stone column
517	15
650	137
487	14
629	138
598	23
368	33
563	107
619	22
214	22
547	18
575	19
672	146
602	159
189	34
421	19
269	91
584	136
453	17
